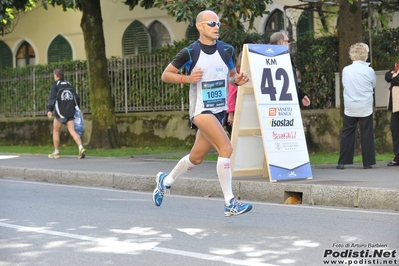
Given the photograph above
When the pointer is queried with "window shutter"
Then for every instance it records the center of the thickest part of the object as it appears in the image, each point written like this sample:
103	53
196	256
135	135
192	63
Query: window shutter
5	55
59	50
305	23
192	33
136	39
275	23
159	35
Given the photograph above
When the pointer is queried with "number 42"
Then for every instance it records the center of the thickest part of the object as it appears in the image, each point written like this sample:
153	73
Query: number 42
267	86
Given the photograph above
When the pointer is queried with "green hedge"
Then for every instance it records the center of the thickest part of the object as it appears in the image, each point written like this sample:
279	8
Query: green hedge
317	60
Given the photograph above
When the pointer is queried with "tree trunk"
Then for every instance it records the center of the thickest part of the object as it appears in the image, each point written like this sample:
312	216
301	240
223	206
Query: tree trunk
350	32
104	130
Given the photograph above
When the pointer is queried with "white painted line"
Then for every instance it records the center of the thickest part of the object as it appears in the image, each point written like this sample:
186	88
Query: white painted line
3	157
107	245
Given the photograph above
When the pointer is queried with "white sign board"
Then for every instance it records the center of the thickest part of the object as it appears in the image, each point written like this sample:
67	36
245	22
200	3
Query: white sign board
275	144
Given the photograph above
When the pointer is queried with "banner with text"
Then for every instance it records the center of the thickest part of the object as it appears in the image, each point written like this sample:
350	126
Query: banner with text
279	111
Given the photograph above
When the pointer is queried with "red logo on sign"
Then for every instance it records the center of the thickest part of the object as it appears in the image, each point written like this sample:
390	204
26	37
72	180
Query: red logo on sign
272	111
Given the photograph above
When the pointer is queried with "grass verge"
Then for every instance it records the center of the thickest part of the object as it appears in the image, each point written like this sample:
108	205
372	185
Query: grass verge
315	158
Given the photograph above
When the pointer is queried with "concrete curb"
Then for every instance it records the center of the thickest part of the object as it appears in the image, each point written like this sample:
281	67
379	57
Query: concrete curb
339	196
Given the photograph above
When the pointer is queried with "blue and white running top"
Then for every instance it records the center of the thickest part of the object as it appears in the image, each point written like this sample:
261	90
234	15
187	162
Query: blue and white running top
210	94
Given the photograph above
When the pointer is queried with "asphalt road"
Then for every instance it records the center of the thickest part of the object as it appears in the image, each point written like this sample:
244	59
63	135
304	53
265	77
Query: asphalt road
51	224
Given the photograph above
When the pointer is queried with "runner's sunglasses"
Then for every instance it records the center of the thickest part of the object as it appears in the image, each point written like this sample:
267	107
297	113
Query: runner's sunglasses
211	23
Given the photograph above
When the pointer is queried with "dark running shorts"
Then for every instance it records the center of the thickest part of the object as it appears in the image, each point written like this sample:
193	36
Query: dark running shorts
64	120
220	116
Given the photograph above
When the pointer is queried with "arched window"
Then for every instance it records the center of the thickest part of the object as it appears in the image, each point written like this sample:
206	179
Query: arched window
192	33
136	39
159	35
275	23
59	50
5	55
305	23
25	55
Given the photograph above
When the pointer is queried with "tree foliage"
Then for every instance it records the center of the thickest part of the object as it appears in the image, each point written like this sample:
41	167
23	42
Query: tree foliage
317	60
232	11
8	9
233	14
65	4
391	5
143	3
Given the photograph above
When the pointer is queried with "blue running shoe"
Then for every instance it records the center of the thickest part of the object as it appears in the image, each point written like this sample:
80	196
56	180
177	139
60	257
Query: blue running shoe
159	191
236	208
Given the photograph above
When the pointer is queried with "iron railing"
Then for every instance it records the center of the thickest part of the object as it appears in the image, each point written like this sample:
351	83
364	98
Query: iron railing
136	86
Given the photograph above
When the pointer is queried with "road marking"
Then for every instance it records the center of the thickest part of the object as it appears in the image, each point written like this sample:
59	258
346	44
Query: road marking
3	157
124	247
317	207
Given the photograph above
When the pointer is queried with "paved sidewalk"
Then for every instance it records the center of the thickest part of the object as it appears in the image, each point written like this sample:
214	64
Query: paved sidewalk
376	188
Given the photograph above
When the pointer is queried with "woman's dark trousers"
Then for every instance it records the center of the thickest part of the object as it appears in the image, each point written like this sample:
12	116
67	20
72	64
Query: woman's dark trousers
395	135
348	140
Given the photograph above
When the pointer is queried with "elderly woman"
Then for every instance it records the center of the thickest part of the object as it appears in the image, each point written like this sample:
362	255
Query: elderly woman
359	81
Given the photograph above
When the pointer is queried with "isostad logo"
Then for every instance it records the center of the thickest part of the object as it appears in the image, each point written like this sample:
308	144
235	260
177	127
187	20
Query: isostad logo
282	122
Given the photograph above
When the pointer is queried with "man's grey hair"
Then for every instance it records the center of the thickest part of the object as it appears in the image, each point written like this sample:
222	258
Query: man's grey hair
277	37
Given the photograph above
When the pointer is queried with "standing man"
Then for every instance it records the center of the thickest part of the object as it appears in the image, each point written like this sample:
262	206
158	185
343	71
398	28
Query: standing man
64	105
208	80
281	38
358	80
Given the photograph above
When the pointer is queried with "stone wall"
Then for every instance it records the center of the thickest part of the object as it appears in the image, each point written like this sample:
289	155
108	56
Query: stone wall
322	128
